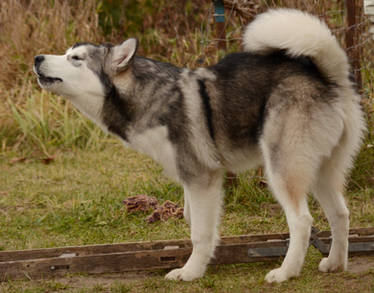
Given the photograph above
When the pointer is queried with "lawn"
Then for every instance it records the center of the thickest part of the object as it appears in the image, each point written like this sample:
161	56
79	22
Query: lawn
76	199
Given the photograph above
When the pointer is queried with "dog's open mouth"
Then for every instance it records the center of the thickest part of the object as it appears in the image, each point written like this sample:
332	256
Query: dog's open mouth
48	79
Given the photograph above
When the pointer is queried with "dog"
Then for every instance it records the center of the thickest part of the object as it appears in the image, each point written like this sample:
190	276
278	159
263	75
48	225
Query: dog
286	102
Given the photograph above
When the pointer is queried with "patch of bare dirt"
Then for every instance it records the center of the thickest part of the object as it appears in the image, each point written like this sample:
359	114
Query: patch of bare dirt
360	264
102	280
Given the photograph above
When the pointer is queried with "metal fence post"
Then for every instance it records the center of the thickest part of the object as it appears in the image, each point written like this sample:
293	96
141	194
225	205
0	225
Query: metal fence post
219	17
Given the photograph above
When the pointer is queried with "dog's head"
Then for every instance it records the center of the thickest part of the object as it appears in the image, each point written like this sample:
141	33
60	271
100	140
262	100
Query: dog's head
84	73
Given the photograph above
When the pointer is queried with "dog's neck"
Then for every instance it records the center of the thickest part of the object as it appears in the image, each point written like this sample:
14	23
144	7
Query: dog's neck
135	95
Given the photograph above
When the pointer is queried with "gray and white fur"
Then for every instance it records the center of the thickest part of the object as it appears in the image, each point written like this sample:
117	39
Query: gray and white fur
286	103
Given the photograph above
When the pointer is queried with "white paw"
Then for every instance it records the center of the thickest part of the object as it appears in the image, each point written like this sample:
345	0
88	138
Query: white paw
330	266
183	275
278	275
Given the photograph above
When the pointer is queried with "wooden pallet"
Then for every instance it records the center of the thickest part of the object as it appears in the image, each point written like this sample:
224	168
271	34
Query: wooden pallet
115	258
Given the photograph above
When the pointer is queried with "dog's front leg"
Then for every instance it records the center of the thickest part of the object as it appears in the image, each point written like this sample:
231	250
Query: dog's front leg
186	210
204	200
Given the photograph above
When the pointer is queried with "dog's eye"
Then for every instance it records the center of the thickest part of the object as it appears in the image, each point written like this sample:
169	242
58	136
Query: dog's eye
76	57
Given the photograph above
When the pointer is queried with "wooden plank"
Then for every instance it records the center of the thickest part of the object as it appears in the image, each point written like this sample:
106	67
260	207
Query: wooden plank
126	261
238	253
152	245
90	249
165	254
123	247
94	264
358	245
354	231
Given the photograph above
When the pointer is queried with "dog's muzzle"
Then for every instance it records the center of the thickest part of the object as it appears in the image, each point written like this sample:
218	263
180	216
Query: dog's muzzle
38	60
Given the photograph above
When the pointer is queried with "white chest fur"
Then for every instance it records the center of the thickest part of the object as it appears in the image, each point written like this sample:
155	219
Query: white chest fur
154	142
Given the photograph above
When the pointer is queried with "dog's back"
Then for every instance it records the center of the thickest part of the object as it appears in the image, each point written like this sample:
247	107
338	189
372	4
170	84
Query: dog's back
246	84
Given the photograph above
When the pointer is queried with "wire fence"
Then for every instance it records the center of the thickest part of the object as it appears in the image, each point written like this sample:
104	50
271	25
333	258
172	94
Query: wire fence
346	19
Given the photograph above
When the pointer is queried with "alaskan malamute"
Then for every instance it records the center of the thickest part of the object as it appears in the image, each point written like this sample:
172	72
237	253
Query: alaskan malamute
286	102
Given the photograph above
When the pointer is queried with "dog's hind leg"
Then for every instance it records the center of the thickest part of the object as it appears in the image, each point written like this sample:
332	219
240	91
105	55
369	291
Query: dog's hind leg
328	191
291	162
205	201
290	188
329	186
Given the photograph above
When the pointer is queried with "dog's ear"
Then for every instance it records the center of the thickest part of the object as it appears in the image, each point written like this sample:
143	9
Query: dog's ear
123	54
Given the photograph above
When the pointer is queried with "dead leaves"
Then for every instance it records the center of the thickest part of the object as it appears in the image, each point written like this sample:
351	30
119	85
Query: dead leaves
146	203
166	211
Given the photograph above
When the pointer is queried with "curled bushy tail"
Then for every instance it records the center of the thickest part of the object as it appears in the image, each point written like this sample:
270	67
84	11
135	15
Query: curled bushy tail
298	33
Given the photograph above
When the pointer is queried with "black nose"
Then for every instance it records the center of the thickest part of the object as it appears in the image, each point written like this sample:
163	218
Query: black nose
38	59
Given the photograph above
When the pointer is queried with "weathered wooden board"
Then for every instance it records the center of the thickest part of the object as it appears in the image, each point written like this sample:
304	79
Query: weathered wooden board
361	241
125	261
95	259
114	258
124	247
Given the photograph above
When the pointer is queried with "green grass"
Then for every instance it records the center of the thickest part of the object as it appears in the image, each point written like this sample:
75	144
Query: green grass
228	278
46	121
80	196
77	199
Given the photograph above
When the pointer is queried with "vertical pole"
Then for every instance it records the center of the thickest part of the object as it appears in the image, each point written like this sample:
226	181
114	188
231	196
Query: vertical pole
219	17
351	38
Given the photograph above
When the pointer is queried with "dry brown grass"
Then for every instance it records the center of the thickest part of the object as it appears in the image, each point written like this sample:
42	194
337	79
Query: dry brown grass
28	28
31	27
181	32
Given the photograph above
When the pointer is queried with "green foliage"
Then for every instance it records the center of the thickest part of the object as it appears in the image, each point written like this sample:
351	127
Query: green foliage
110	15
124	17
46	121
119	288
